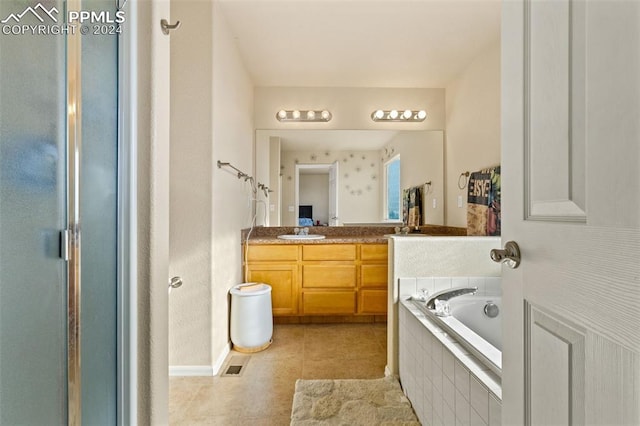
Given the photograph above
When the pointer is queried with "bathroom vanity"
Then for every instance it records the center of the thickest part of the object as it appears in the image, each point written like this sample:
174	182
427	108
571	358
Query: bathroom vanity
344	276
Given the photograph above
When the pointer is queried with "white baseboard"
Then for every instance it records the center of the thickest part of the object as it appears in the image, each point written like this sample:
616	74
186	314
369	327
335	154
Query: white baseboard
201	370
217	366
191	370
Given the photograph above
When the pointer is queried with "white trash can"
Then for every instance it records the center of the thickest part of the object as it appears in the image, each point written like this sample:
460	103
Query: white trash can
251	317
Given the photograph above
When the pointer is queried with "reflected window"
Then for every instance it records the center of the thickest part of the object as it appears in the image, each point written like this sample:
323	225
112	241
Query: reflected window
392	205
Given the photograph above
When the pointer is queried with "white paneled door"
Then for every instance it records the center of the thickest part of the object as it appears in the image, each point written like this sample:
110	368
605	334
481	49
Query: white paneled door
571	192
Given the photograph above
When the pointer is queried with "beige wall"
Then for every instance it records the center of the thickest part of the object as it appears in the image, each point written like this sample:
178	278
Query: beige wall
148	127
473	127
421	161
232	142
191	170
212	107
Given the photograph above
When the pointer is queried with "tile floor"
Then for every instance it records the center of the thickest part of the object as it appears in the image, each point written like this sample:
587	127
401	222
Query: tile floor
263	393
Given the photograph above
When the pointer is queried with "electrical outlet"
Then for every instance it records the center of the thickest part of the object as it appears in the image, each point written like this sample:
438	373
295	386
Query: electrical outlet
435	203
272	207
459	201
291	209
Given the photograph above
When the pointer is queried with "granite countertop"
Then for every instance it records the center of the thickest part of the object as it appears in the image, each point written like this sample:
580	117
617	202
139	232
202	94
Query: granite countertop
340	234
332	239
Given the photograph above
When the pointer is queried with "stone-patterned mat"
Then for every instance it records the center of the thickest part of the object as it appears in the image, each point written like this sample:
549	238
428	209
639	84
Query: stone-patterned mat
351	402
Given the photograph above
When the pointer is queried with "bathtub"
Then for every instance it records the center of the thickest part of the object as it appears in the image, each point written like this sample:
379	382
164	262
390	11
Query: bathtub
472	328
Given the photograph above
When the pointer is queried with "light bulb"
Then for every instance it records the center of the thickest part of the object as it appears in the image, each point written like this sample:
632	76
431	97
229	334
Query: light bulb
282	114
393	114
422	114
407	114
311	115
379	114
295	114
326	115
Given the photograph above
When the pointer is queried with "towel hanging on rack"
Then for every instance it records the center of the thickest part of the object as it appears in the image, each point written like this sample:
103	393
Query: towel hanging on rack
412	206
483	202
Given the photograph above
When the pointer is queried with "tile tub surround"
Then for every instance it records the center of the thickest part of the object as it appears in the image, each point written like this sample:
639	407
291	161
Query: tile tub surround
434	256
487	286
445	384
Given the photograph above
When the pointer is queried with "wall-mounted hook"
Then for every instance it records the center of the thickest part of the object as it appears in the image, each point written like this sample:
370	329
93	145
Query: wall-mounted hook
166	26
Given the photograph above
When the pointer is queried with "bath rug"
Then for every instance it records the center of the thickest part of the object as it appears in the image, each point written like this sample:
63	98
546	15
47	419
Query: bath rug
351	402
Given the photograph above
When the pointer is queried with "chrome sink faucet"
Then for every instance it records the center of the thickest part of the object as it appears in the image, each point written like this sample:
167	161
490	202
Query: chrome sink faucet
449	294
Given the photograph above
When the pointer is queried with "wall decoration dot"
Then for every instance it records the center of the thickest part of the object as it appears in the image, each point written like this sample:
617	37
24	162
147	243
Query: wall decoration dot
313	157
364	157
373	164
344	160
288	177
346	175
282	167
351	155
368	187
353	192
326	154
358	169
374	177
297	161
347	186
359	192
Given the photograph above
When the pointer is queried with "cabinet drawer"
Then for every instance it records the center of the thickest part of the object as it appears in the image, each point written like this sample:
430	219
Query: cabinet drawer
325	302
328	276
374	276
373	252
373	301
329	252
272	252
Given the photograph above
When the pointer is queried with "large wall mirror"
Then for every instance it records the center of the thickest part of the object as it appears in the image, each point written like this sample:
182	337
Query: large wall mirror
339	177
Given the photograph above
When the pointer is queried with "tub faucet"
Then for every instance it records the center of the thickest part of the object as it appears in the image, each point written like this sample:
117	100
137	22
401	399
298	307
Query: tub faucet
449	294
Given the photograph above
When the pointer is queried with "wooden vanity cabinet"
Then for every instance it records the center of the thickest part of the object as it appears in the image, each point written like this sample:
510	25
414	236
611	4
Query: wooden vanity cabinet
322	279
276	265
329	279
372	295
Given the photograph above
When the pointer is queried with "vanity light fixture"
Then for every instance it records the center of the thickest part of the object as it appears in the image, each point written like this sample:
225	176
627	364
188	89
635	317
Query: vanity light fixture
396	115
303	115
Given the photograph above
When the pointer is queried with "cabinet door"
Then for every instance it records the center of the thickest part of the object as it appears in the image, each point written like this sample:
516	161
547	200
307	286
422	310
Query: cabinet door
373	302
283	279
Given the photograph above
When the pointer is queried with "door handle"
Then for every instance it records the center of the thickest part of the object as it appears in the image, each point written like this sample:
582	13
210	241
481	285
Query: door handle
175	282
509	255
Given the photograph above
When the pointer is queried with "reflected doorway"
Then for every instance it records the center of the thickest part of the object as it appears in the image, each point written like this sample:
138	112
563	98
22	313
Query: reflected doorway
316	194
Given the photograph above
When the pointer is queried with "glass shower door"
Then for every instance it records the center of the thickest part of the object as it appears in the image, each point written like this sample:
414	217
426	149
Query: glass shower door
58	170
33	317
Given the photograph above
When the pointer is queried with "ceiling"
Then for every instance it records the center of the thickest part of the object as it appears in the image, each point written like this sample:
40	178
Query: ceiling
360	43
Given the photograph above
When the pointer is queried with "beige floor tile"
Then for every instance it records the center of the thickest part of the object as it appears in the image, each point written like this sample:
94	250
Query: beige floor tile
263	393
